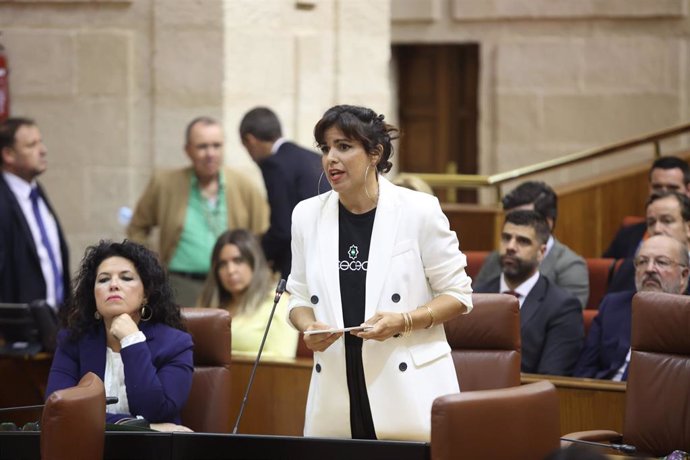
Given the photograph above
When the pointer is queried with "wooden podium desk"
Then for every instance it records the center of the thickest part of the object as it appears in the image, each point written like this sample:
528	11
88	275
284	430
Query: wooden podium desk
587	404
278	398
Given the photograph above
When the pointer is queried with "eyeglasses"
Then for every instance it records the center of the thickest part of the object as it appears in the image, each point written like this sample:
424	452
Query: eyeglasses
662	263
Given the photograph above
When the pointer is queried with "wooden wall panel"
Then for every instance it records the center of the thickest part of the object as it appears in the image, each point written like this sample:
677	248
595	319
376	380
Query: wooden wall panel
589	212
477	226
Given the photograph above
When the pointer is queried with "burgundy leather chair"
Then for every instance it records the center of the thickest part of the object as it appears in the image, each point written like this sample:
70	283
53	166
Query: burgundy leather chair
73	422
505	424
486	343
657	399
600	271
208	407
475	260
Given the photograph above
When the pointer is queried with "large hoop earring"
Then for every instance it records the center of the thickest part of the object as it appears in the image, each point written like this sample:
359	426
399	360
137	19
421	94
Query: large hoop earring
318	185
366	191
144	309
318	188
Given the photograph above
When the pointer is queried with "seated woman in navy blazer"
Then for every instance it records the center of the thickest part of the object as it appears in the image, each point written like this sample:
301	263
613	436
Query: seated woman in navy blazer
123	325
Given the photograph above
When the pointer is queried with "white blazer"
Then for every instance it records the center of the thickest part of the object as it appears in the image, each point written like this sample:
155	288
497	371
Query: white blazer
413	257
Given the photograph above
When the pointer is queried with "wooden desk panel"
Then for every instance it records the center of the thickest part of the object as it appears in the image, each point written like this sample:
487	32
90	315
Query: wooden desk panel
278	396
278	399
587	404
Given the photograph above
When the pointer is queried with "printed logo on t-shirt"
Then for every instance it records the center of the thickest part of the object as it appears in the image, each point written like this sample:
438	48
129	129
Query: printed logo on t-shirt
353	264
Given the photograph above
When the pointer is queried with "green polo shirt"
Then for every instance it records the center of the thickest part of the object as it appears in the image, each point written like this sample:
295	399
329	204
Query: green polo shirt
203	224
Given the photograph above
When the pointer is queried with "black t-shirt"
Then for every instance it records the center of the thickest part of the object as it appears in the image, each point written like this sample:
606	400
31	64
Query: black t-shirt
354	237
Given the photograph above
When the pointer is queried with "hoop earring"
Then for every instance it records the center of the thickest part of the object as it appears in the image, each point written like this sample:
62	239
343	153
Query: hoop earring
144	309
318	185
96	315
318	188
366	191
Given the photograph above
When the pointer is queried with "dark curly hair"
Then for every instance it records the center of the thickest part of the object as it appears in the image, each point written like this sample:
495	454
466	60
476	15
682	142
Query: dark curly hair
363	125
79	315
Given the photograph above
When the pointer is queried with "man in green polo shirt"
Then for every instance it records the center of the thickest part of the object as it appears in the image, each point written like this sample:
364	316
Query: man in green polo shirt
192	206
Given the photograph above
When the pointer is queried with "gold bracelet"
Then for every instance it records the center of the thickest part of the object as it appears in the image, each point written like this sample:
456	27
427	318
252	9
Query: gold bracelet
402	333
431	316
408	324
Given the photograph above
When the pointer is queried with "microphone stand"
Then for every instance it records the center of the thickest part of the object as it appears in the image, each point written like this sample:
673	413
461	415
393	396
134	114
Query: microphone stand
279	292
625	448
108	400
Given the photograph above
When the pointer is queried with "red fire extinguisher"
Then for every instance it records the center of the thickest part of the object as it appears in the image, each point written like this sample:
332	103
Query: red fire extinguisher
4	86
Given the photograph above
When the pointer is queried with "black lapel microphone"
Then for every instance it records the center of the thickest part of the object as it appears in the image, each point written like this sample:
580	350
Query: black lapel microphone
625	448
279	292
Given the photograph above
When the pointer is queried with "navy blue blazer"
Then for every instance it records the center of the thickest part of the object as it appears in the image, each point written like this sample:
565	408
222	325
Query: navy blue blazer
626	241
291	175
551	327
608	340
21	278
158	372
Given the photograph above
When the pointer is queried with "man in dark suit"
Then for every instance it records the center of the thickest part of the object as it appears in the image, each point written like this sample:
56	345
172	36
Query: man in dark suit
33	252
661	265
667	174
561	265
551	325
667	213
291	174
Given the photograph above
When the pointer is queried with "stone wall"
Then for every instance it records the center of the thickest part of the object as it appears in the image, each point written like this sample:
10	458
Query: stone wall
562	76
113	84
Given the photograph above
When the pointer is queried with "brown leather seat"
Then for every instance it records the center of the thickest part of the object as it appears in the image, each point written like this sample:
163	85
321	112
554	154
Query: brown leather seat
73	421
505	424
486	343
657	400
208	407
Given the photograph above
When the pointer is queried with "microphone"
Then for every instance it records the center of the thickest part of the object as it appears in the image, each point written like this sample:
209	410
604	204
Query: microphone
279	292
625	448
108	400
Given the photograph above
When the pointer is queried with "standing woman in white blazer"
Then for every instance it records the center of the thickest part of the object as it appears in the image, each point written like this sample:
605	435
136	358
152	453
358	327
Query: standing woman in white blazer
371	253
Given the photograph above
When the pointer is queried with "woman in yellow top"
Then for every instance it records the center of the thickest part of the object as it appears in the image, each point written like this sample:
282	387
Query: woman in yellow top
240	282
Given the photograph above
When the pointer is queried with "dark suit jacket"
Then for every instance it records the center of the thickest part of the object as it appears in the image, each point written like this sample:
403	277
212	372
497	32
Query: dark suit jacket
21	278
291	175
158	372
551	327
626	241
608	340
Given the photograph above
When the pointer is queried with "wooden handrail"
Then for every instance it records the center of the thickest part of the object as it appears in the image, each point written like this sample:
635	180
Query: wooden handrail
478	180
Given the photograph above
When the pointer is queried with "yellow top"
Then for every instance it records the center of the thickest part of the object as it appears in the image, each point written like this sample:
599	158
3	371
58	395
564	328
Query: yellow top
247	331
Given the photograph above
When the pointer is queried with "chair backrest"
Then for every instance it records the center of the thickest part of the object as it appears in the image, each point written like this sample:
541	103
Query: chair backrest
475	260
657	402
73	421
486	343
208	407
627	221
600	272
504	424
